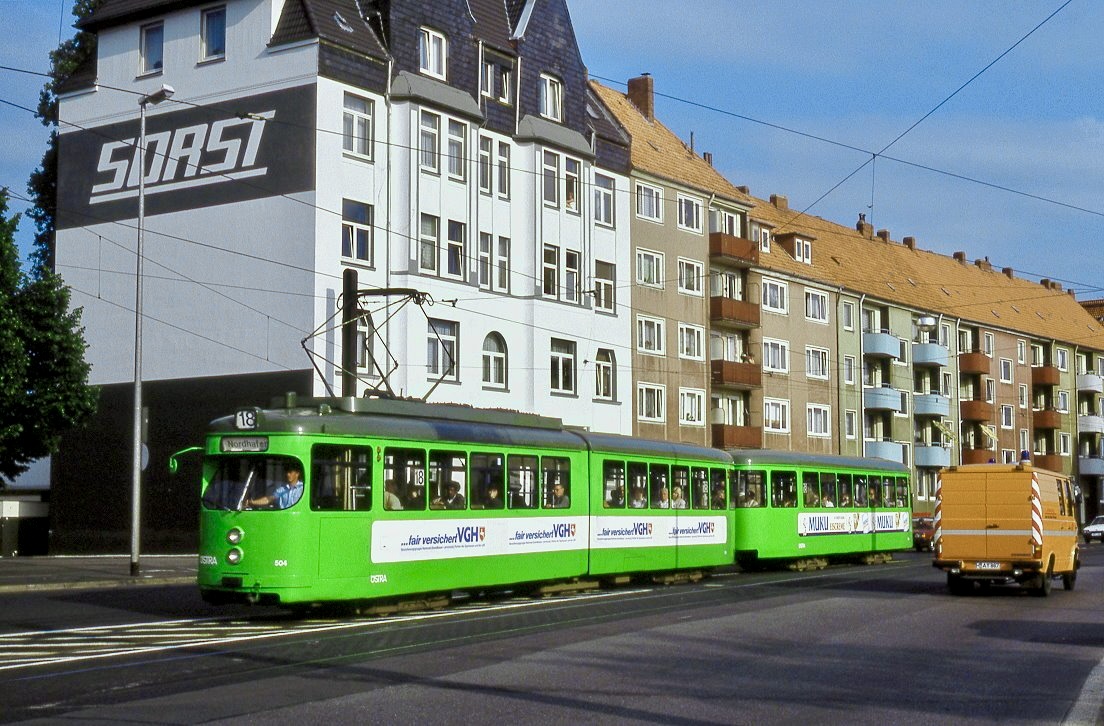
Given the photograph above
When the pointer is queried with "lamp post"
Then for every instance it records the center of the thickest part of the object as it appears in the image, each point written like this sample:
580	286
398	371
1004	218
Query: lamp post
162	94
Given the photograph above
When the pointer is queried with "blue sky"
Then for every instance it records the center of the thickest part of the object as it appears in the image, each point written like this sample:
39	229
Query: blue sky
855	73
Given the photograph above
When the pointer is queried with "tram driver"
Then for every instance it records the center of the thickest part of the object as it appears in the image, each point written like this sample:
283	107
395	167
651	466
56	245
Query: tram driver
285	495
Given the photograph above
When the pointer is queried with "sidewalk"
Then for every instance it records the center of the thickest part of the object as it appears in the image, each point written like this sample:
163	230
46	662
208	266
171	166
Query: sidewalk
41	574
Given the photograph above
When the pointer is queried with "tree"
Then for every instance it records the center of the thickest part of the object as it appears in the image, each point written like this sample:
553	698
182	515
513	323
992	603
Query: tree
44	387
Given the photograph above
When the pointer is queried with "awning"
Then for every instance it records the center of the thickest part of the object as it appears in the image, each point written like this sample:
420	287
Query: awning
945	430
990	431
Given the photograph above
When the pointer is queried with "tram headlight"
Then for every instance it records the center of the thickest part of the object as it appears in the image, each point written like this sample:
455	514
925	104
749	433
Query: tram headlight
235	535
234	556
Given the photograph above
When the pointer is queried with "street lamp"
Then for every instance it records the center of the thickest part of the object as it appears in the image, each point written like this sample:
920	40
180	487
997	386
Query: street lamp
162	94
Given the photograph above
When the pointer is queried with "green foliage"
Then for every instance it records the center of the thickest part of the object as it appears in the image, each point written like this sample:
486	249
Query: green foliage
43	375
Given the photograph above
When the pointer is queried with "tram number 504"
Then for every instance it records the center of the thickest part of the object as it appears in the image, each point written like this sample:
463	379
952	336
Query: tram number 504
245	419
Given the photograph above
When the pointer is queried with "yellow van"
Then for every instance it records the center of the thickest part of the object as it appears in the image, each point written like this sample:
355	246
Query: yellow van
1003	523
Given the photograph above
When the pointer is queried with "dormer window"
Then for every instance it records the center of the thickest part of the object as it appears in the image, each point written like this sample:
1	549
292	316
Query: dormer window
152	48
213	32
432	53
551	97
803	251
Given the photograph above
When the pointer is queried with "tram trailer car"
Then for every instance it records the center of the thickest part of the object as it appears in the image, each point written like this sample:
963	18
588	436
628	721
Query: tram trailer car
806	510
1005	523
353	499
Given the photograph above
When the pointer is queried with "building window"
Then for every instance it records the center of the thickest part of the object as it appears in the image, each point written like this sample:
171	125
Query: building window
819	420
441	347
356	230
849	369
650	334
571	284
1007	421
605	298
774	296
1005	370
551	97
551	188
213	34
152	48
429	240
1024	440
455	255
803	251
457	150
604	188
816	363
502	265
816	306
1062	401
430	133
571	184
776	356
505	88
850	419
487	79
486	242
690	276
692	406
605	375
485	168
550	278
990	390
848	316
987	343
691	341
1061	358
494	361
689	213
649	202
1064	444
776	415
563	366
356	127
1021	352
365	353
649	402
432	53
649	268
1023	396
503	169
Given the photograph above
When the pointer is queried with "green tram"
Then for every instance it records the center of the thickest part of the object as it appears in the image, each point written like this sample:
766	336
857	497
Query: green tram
806	509
354	499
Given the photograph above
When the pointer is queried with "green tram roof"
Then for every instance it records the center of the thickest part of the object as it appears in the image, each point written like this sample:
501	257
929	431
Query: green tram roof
765	457
401	419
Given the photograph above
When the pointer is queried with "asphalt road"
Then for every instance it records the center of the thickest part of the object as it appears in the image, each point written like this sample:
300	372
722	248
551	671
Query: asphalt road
878	645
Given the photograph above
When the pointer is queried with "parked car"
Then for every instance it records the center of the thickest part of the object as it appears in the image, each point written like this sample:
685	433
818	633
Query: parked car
922	530
1094	530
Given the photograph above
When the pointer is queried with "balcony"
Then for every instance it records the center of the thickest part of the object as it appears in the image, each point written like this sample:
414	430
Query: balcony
736	375
1091	424
930	354
882	399
888	450
1046	418
932	456
976	411
733	250
1090	465
737	313
1045	376
974	363
978	456
726	436
881	345
1051	462
1090	383
931	404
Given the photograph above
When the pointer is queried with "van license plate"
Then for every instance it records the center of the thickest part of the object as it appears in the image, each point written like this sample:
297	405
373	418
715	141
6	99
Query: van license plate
987	565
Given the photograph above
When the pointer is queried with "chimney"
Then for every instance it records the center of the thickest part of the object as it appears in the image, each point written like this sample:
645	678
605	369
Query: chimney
864	227
642	95
984	264
883	235
960	256
910	242
780	202
1009	273
745	189
708	156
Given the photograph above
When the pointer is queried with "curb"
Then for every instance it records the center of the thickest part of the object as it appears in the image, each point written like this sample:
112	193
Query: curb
95	584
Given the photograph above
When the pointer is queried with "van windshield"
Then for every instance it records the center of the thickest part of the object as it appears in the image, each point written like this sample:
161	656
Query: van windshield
1099	520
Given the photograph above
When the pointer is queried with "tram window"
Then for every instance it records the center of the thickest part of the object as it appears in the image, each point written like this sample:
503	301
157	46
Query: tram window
718	480
341	478
680	487
810	489
902	492
748	487
659	489
250	482
874	492
556	475
784	488
613	484
845	498
404	472
887	491
638	485
699	495
447	480
522	482
861	490
829	491
488	478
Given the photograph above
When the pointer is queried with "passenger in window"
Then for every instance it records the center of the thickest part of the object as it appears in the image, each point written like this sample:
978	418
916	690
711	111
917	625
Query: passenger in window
390	497
826	500
664	500
637	501
559	499
493	500
616	497
416	500
872	496
845	498
677	500
452	500
285	495
811	499
720	501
